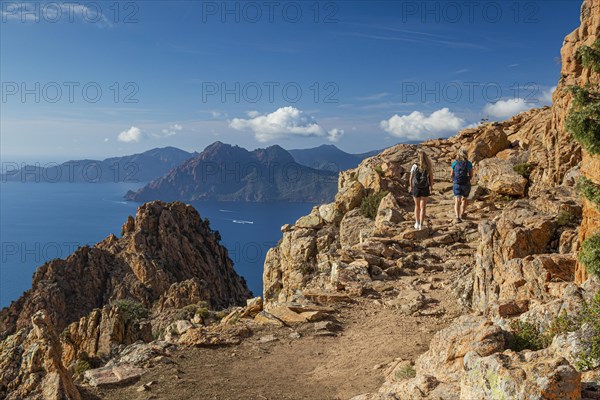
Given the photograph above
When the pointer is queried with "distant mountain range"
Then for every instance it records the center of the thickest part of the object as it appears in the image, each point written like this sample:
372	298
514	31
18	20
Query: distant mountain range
224	172
329	158
141	167
221	172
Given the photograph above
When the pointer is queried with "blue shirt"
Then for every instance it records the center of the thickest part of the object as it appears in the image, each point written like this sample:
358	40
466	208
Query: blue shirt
469	168
469	165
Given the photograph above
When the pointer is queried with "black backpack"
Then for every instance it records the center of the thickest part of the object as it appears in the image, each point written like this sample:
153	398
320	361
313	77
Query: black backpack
420	179
461	172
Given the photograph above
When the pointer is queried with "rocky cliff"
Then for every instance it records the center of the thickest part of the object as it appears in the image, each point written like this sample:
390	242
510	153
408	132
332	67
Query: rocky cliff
526	297
98	298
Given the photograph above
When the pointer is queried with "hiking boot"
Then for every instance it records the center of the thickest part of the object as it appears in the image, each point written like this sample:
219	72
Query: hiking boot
458	220
417	226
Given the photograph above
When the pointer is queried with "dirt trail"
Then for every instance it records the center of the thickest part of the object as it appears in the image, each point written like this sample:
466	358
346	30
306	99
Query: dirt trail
299	365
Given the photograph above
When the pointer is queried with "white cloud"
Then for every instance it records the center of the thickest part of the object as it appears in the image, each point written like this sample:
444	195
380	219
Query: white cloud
131	135
252	114
507	108
106	139
546	96
335	134
172	130
283	123
217	114
417	126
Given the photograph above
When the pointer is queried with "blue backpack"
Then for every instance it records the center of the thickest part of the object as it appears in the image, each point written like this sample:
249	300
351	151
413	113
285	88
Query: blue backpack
461	173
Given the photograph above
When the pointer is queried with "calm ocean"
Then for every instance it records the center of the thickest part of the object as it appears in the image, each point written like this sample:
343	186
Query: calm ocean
42	221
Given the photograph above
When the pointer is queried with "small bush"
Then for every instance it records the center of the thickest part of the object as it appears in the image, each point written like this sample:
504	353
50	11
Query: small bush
132	310
590	317
370	204
589	255
524	169
82	366
405	372
565	218
584	124
589	56
379	170
525	335
190	311
589	190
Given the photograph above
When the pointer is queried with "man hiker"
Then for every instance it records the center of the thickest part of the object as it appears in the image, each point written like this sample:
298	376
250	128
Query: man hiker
462	173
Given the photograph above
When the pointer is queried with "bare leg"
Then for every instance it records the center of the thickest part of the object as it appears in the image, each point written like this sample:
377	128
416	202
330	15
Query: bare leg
417	208
423	210
465	203
457	201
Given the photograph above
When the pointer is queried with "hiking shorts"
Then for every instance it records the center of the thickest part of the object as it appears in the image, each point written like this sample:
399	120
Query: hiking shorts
461	190
421	192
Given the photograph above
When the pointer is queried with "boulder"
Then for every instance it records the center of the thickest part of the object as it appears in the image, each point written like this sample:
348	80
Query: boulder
489	142
499	177
519	376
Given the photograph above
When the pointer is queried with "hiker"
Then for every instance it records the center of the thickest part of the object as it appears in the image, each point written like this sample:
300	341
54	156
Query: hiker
420	183
462	173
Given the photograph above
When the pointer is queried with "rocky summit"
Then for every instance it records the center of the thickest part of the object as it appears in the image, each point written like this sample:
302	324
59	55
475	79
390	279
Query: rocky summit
357	304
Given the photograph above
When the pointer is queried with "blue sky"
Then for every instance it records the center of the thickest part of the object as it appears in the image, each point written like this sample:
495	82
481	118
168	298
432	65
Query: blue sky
360	74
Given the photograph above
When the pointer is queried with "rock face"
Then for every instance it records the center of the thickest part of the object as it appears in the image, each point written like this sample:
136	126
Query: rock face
168	258
519	376
31	366
499	177
163	245
230	173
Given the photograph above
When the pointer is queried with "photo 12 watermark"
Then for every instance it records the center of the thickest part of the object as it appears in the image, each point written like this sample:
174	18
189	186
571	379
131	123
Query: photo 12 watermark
105	13
269	92
70	172
69	92
253	12
38	252
471	12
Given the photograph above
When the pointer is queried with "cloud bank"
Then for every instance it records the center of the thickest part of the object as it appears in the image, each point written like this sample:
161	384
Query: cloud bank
418	126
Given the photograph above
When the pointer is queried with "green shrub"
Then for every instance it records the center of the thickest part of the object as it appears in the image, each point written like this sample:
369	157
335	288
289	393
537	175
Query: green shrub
584	125
370	204
132	310
524	169
82	366
190	311
590	316
379	170
405	372
589	56
525	335
589	190
589	255
565	218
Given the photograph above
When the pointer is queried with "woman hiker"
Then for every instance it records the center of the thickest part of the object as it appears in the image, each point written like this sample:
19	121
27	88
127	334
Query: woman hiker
462	173
420	183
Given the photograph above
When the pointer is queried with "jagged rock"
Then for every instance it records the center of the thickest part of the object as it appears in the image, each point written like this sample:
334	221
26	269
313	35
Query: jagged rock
169	243
264	317
100	334
286	315
113	376
519	232
444	359
217	335
388	214
311	221
519	376
253	307
330	214
31	365
500	177
181	294
350	197
351	226
489	142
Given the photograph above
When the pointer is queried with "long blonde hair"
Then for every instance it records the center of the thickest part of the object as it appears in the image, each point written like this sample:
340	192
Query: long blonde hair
423	162
461	154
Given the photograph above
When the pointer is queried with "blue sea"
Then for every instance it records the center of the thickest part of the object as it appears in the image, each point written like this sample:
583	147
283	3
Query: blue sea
42	221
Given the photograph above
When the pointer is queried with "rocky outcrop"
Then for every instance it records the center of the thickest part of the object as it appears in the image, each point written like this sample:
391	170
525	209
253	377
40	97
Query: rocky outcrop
167	258
102	333
163	245
519	376
31	365
499	176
